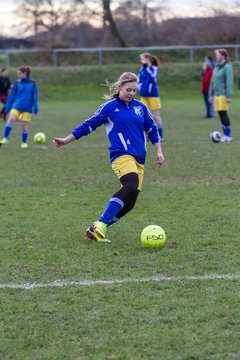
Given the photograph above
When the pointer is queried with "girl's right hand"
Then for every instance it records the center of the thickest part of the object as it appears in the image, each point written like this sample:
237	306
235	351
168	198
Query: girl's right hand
58	142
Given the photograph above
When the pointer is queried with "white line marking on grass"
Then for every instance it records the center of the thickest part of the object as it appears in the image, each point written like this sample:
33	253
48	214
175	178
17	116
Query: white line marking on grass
156	278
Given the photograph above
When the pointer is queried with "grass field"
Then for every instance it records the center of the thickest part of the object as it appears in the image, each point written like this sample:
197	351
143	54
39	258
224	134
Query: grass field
177	302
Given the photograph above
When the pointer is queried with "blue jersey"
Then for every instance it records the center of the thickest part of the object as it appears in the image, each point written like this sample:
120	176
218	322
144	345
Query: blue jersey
23	96
125	126
147	85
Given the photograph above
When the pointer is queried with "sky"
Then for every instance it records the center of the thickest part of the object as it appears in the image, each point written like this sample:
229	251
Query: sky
184	8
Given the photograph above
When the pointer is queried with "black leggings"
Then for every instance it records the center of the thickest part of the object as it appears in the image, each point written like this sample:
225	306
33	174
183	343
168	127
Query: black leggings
128	193
224	118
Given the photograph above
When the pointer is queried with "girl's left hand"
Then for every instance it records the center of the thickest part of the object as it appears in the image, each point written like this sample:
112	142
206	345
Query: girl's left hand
160	159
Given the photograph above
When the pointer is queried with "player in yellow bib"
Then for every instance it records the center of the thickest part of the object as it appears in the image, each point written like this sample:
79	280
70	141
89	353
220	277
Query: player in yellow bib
221	91
148	89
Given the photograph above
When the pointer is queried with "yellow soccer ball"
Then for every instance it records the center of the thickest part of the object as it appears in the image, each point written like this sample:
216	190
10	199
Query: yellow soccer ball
39	138
153	236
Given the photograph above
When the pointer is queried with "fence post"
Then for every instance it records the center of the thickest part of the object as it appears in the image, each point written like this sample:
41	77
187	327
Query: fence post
236	54
54	58
7	59
100	57
191	53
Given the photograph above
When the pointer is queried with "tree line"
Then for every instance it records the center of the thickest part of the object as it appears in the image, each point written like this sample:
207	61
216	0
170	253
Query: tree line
104	23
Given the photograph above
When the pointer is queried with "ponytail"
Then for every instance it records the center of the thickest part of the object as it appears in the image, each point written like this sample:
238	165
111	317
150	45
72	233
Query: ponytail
154	60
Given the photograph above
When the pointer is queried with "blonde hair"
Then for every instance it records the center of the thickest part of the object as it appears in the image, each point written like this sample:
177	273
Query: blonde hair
223	52
114	89
153	58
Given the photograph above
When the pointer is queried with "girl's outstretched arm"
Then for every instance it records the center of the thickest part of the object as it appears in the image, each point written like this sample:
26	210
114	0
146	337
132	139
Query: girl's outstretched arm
59	142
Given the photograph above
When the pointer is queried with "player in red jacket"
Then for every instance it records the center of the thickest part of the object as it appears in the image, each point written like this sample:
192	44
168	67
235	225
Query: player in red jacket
207	71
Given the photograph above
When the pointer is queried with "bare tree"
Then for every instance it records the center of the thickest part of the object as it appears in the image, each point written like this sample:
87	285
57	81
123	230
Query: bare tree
102	11
107	23
143	14
122	19
108	17
140	23
46	15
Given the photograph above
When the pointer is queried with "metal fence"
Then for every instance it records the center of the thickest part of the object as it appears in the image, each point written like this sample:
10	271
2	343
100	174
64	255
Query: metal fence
108	56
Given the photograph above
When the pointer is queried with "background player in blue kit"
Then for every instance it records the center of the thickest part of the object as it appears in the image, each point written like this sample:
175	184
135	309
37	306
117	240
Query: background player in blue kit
22	101
125	120
148	88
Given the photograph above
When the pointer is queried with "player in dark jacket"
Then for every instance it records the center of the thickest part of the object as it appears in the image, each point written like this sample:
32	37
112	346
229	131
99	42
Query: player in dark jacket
22	101
5	85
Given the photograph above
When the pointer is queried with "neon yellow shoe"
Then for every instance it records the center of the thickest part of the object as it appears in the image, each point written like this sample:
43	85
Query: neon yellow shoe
24	145
4	141
97	232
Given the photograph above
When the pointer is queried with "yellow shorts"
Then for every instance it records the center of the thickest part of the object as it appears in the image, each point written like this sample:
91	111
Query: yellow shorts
126	164
22	116
153	103
220	103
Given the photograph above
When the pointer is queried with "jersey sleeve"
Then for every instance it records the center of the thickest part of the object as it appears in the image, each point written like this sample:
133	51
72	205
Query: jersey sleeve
152	72
150	126
9	84
35	99
89	125
211	87
229	82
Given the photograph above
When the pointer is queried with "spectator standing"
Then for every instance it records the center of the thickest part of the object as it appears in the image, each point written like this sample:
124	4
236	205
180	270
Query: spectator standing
207	72
5	85
22	101
221	91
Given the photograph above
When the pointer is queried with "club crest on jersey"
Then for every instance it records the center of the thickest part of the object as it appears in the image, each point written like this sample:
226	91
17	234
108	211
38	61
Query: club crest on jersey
138	110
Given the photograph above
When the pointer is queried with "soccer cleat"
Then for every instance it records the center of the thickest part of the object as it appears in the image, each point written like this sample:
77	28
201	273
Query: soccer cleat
225	138
4	141
97	232
24	145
